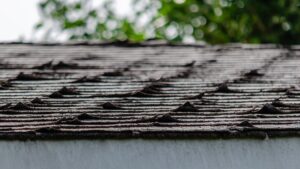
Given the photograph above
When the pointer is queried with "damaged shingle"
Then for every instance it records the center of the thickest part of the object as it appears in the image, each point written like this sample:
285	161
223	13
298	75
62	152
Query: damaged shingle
69	120
198	96
23	76
212	61
63	65
150	90
20	54
140	94
165	118
6	106
253	73
68	91
46	65
186	107
21	106
113	73
85	79
269	109
47	130
245	124
109	105
223	88
37	101
158	85
56	95
89	56
183	74
191	64
5	84
85	116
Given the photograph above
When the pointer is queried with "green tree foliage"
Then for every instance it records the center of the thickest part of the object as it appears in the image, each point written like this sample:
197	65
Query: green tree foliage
211	21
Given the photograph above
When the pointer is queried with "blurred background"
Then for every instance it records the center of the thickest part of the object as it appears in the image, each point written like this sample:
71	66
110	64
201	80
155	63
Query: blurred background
206	21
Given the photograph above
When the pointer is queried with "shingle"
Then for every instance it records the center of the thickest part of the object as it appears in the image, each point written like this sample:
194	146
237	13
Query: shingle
92	90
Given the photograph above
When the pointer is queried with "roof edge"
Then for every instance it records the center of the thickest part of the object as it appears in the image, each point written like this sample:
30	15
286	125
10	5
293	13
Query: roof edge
151	43
107	43
246	134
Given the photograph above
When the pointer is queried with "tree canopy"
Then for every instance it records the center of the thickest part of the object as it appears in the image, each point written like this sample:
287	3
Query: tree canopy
210	21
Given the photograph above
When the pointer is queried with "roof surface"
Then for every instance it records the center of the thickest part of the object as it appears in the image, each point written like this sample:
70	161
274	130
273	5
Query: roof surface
161	91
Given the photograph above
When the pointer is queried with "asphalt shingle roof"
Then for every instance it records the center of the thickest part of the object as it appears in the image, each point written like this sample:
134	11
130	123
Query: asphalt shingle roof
160	91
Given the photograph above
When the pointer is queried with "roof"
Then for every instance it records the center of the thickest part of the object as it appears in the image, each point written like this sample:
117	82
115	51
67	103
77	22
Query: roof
75	91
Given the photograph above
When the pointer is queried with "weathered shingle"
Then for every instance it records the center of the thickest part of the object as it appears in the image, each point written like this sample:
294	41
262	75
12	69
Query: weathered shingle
106	90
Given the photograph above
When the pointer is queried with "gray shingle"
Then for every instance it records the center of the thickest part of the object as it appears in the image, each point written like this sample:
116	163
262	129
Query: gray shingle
148	91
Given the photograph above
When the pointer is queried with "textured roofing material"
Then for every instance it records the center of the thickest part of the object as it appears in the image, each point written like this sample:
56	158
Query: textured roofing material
55	91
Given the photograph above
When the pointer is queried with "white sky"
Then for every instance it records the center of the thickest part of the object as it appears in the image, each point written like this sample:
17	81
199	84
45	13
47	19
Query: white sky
18	17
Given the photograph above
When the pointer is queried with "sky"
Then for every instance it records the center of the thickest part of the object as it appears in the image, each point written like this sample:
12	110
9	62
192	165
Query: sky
18	18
